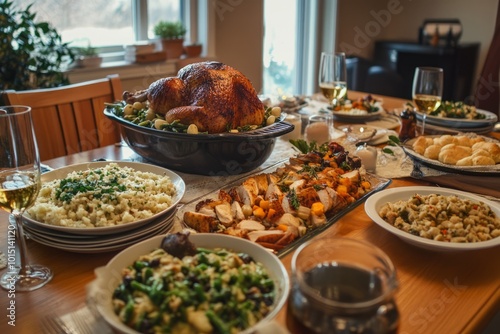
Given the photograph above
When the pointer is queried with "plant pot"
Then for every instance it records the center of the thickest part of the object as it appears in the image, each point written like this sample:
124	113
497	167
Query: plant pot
89	61
174	48
193	50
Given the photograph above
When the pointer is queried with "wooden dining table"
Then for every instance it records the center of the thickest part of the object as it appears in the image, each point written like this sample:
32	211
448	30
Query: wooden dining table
438	292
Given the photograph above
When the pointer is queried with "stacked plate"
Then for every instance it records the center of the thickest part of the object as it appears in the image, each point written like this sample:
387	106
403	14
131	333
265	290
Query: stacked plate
109	238
95	242
454	125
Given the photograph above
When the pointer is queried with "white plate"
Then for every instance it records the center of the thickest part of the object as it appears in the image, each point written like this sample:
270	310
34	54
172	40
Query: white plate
101	248
388	121
61	173
352	116
67	239
377	200
436	164
436	129
380	137
459	123
100	290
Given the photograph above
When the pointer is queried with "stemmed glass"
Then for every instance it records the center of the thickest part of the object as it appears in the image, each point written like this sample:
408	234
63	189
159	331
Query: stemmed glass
19	187
427	90
333	77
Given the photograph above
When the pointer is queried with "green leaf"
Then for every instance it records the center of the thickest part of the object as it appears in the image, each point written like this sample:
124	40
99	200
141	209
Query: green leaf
36	47
388	151
394	139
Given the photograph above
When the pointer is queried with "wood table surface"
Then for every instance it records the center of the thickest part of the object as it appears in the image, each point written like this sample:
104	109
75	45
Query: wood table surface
439	292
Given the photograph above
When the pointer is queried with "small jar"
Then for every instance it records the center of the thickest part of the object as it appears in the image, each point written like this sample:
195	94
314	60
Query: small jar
408	124
319	128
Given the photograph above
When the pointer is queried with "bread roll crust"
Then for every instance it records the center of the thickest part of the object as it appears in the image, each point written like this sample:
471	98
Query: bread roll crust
459	150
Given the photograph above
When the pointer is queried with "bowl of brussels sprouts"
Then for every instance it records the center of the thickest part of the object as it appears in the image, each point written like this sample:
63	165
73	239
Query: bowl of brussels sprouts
185	282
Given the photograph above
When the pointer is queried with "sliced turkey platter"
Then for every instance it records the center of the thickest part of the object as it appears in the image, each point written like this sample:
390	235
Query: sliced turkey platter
274	209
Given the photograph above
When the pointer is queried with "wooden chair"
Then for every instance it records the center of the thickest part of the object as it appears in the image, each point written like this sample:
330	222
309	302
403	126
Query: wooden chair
70	119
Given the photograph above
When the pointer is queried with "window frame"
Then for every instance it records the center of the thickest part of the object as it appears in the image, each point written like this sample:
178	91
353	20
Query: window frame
316	32
195	14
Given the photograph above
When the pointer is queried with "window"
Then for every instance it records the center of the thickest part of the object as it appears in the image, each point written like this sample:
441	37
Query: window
279	47
293	41
104	23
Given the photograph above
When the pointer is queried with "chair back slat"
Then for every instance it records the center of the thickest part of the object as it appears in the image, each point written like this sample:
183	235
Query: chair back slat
49	132
70	119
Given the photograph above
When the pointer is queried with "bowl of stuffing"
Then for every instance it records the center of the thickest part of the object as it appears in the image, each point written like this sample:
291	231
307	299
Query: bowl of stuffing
190	283
207	120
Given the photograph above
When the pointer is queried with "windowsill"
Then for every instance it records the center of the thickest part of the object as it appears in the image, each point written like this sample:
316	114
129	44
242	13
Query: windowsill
126	70
138	72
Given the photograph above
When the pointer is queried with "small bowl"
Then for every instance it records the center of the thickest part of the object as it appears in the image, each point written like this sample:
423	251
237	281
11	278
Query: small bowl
204	154
100	290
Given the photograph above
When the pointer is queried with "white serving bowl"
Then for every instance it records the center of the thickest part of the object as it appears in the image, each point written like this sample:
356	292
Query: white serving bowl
100	290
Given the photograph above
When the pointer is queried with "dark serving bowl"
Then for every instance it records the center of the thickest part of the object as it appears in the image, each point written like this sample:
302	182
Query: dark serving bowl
205	154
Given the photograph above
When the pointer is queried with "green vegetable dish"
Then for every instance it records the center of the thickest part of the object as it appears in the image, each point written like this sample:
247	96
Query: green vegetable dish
453	109
139	113
212	291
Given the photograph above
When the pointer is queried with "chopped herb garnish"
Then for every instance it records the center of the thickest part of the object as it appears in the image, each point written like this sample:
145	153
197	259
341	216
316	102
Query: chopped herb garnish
311	170
293	199
95	184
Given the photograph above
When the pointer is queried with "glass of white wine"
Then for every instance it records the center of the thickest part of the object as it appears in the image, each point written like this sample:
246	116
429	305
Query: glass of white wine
333	77
19	187
427	91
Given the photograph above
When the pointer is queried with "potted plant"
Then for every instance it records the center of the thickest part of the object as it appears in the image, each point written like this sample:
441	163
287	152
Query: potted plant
193	50
172	36
32	53
87	57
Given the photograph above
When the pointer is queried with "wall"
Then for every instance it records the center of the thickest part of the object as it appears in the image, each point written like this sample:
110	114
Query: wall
239	34
239	29
406	16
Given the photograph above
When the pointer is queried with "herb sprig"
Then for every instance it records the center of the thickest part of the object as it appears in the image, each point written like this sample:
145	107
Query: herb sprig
393	141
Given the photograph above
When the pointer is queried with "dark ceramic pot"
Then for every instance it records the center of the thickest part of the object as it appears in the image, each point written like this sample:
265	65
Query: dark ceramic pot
205	154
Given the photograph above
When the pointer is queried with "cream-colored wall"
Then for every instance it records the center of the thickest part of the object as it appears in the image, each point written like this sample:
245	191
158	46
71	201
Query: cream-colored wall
400	20
239	36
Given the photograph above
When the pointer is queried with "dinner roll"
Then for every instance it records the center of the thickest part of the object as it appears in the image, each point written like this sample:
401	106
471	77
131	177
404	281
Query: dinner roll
444	140
476	140
432	152
421	143
451	153
467	161
492	148
482	161
462	141
481	152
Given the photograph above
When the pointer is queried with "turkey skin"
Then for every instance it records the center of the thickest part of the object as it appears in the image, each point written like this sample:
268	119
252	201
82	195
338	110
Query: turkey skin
213	96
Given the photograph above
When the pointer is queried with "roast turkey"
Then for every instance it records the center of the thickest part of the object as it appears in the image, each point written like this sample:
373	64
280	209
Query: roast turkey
213	96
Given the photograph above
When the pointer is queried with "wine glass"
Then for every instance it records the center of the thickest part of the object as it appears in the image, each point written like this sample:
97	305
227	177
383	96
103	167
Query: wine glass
19	187
427	91
333	77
